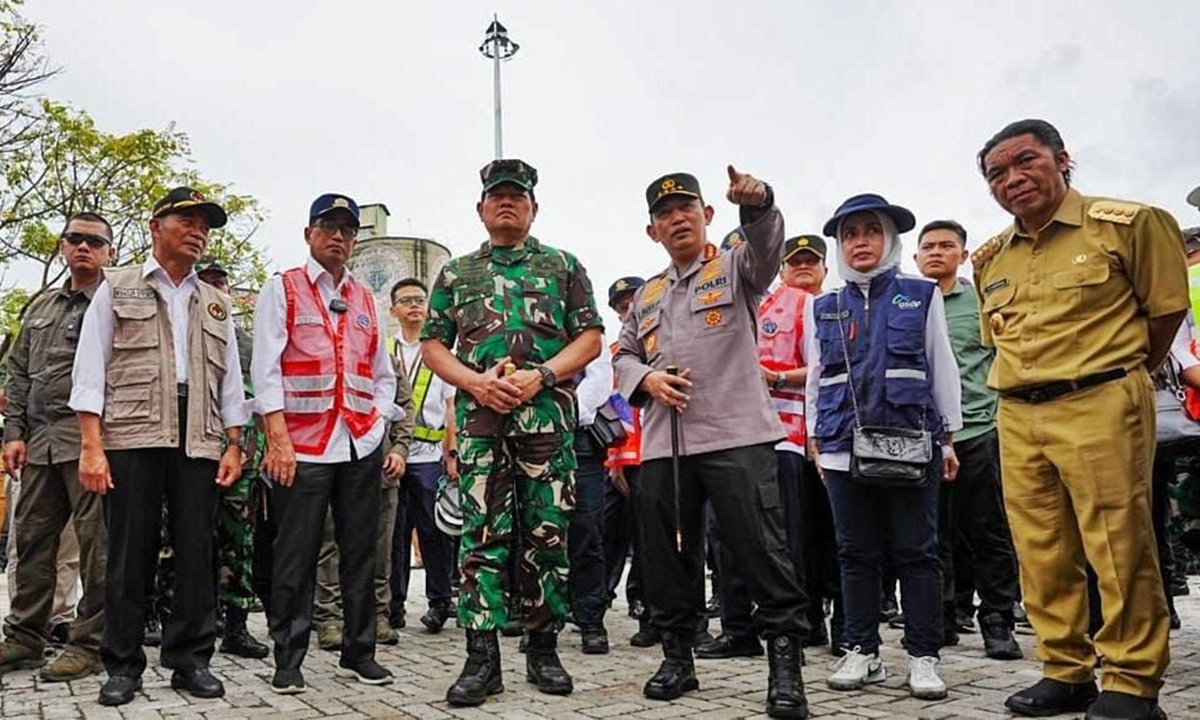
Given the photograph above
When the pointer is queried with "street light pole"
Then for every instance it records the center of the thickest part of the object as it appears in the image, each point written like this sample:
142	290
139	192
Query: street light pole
497	46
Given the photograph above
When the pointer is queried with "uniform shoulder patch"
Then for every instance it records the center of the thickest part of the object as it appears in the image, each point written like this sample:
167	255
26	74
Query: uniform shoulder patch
988	250
1114	211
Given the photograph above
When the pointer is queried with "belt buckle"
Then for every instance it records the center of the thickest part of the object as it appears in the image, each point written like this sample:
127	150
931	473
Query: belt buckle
1036	395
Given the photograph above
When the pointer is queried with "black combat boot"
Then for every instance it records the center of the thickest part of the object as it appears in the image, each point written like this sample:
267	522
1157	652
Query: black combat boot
677	674
785	687
436	616
481	673
542	666
998	640
238	640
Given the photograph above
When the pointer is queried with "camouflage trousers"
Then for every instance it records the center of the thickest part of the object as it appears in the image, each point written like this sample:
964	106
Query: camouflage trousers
515	492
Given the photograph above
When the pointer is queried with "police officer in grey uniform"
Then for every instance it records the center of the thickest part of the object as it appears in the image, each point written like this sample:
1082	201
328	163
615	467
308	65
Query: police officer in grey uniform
699	315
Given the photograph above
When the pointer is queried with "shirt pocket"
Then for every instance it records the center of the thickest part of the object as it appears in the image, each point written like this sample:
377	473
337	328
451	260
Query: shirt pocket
712	312
906	333
1082	287
997	309
472	315
40	331
540	307
133	397
648	335
135	326
830	345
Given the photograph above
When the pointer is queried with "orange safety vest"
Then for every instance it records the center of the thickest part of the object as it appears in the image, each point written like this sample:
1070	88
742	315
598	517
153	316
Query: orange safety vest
630	451
327	374
780	332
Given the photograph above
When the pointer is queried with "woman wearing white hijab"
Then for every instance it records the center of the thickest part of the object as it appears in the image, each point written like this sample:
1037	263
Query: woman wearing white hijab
879	356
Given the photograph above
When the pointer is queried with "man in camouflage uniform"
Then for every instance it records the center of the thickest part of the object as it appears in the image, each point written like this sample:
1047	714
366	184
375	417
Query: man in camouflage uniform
236	508
526	323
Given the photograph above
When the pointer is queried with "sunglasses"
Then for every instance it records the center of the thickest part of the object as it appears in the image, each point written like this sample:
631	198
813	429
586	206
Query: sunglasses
75	239
333	227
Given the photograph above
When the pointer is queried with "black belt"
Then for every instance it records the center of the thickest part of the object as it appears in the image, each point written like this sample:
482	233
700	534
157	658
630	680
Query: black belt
1049	391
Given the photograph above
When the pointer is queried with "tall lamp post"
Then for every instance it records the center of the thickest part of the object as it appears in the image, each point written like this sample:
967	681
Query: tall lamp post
497	46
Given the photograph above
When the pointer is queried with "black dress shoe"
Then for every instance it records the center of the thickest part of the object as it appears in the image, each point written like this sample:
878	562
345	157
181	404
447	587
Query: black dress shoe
198	683
119	689
646	636
1052	697
1112	705
728	646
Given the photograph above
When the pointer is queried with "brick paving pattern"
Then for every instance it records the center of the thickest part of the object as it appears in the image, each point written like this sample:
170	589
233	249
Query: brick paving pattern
606	686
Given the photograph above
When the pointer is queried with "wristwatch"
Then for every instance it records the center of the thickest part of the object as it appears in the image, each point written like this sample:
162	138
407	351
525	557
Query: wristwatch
780	381
452	454
240	443
548	378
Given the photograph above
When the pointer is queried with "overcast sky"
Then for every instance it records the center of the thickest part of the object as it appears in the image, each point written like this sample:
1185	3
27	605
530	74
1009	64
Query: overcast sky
391	102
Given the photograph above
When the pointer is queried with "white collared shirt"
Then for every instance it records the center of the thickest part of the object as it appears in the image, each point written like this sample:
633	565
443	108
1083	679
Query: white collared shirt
270	339
433	414
88	377
595	386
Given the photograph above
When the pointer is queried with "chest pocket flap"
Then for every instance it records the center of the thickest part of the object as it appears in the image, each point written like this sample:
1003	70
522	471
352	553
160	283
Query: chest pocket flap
1082	276
998	298
136	325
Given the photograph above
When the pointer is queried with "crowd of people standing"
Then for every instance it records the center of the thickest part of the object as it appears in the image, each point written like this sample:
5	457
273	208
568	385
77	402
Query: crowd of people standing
815	446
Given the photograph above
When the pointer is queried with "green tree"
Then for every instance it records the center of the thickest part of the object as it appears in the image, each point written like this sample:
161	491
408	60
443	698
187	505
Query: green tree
72	166
22	67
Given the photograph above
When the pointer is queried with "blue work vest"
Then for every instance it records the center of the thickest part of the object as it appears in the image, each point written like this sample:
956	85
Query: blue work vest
885	336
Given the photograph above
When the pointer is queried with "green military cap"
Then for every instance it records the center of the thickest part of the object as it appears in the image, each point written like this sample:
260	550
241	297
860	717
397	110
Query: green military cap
672	184
812	243
516	172
210	264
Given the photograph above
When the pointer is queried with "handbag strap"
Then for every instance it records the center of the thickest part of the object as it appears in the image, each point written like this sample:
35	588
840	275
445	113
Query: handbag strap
846	355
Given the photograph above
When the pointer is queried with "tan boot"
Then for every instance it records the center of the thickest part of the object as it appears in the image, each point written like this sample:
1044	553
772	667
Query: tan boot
329	637
15	656
385	634
73	663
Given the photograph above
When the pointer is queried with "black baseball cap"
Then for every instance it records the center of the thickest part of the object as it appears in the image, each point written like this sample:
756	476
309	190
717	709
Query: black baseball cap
183	198
814	244
673	184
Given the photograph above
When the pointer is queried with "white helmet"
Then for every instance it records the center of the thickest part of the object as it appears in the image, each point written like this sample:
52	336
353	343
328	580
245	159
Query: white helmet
447	511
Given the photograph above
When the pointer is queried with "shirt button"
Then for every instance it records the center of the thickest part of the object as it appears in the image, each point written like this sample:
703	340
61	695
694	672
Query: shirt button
1027	365
1035	280
1026	337
1037	251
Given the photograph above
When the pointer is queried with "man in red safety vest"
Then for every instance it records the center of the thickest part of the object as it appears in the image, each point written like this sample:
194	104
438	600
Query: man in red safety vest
326	389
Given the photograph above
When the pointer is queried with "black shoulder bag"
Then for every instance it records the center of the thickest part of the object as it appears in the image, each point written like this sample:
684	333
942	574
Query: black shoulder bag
885	456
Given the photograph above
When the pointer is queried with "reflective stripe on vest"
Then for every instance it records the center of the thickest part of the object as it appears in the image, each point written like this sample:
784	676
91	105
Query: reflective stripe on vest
420	390
780	332
1194	292
327	372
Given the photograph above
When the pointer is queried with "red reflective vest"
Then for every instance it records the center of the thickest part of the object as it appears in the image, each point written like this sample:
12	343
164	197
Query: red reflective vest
630	451
327	374
780	332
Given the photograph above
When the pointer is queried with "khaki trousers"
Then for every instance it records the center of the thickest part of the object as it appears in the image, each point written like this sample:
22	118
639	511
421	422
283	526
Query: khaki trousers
1077	489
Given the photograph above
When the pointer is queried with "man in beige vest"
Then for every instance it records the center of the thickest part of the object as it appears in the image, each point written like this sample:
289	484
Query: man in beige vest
158	385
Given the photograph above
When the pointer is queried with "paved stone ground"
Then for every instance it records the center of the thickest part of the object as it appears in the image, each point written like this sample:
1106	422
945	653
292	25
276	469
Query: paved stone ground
606	686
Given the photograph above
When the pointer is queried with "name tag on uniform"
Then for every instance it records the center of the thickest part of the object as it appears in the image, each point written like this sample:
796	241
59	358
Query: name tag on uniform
309	320
994	286
138	293
834	315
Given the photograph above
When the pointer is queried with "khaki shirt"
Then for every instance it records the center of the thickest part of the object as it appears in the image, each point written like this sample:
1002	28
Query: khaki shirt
39	376
1074	298
705	318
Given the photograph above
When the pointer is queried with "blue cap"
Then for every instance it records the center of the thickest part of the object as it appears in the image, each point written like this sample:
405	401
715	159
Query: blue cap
868	201
623	286
329	202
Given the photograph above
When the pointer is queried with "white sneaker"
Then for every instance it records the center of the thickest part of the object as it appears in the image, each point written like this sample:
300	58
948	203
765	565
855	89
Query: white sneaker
923	678
854	670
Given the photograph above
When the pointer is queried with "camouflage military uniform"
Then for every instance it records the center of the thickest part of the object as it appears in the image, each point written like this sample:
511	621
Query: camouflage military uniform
526	303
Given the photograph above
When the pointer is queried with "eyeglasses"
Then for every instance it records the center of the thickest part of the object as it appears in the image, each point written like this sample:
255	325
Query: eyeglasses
75	239
410	300
333	227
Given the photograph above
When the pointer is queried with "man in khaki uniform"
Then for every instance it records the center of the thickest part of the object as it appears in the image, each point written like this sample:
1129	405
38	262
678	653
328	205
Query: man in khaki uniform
42	443
157	386
1080	297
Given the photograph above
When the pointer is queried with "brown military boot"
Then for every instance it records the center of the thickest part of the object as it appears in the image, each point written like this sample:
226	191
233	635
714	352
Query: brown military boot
72	664
15	656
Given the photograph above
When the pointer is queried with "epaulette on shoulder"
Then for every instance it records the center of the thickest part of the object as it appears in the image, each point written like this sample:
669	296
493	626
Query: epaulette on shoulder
1114	211
988	250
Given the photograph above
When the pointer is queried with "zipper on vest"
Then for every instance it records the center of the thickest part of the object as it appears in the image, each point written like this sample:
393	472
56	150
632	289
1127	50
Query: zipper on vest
867	339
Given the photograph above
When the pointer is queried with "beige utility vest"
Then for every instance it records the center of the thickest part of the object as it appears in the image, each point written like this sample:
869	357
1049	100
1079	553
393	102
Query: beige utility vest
140	405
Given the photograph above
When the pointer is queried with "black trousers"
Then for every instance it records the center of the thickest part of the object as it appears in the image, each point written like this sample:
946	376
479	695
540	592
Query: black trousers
621	542
133	512
822	574
743	488
734	590
351	491
587	581
972	524
415	511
